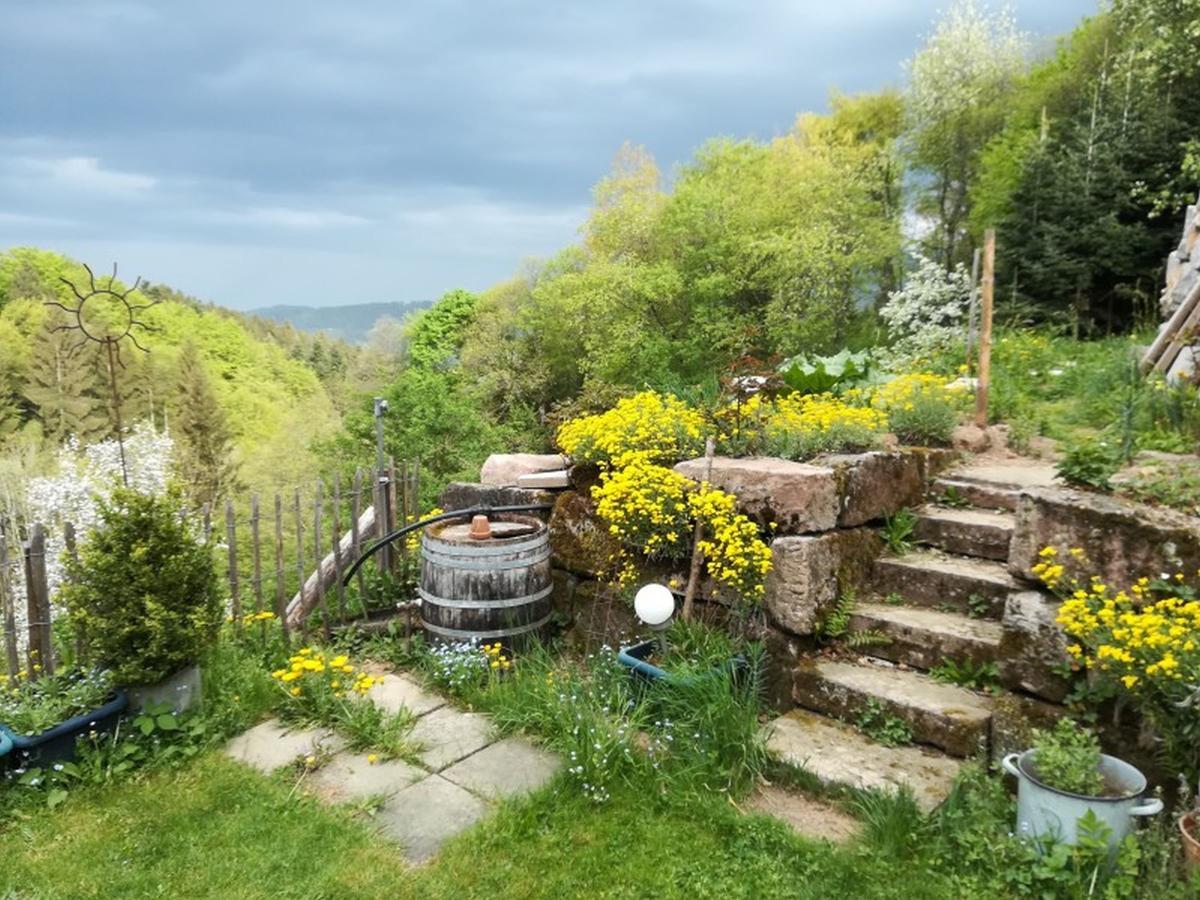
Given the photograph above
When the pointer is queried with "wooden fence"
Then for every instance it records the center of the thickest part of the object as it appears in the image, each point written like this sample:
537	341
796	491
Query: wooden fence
284	556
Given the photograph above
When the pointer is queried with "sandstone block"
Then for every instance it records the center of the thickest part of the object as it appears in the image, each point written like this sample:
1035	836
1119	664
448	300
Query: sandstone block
797	498
1032	646
466	495
874	485
1123	540
579	541
810	571
503	469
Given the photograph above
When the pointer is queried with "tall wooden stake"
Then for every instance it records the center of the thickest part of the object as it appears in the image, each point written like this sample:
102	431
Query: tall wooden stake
985	335
10	615
235	595
693	582
37	592
280	590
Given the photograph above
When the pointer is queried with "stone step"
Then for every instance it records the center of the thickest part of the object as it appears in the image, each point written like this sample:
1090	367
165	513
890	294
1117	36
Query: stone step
984	495
951	718
924	638
969	532
839	756
932	579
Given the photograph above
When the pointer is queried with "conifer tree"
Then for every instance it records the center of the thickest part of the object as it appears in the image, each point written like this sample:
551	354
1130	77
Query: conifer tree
65	387
203	440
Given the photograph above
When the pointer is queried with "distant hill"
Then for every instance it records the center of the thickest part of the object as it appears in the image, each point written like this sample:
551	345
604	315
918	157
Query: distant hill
350	323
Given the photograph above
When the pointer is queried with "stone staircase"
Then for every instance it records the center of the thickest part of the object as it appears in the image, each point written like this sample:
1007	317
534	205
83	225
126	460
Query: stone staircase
942	602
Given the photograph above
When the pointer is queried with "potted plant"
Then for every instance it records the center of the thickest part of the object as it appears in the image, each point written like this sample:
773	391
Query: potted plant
144	592
1189	829
41	719
1064	777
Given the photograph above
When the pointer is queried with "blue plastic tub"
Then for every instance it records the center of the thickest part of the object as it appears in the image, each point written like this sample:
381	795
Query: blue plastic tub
57	744
5	745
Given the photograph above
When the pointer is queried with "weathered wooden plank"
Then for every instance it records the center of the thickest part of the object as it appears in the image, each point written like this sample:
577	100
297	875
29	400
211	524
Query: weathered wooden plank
336	513
37	592
1171	331
256	558
318	554
303	601
299	560
12	660
280	589
235	599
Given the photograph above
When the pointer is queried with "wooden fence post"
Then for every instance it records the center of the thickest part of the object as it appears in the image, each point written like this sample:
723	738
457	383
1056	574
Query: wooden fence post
356	538
73	552
985	335
300	558
37	592
256	551
337	547
972	305
280	588
10	616
235	599
318	557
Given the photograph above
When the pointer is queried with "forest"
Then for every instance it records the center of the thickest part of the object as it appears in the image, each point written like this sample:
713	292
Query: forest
1082	157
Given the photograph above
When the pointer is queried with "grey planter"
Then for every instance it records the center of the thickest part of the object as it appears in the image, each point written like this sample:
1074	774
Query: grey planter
1045	812
181	691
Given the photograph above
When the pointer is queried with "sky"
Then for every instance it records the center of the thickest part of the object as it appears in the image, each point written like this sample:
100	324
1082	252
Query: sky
264	152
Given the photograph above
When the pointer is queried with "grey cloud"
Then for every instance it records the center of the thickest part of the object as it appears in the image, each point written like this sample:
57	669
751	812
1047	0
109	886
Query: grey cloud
418	146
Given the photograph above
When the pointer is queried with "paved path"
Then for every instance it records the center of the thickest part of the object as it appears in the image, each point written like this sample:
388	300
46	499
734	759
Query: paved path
463	769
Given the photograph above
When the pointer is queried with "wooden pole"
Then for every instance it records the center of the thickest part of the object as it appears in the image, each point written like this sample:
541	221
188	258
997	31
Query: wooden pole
985	336
280	587
235	598
300	557
37	593
318	556
356	539
693	582
11	657
256	551
337	547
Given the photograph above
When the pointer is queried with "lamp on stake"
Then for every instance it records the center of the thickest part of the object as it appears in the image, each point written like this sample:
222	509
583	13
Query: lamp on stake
654	605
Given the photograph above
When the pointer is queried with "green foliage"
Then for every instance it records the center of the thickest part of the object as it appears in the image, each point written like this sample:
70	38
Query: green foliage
952	497
31	706
825	374
143	590
436	335
1067	757
928	420
898	531
981	676
881	726
1090	463
203	441
894	822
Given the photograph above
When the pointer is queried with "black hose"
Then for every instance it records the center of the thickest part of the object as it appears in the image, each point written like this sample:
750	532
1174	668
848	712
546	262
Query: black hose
453	514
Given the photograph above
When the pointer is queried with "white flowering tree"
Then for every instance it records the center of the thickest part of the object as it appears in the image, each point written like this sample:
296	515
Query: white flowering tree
87	475
929	313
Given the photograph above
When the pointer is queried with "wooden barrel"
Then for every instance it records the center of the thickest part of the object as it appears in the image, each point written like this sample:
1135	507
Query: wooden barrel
497	589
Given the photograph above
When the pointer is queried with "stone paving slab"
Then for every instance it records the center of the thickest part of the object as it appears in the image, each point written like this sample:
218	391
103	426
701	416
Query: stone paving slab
449	735
394	692
425	815
351	776
510	766
269	745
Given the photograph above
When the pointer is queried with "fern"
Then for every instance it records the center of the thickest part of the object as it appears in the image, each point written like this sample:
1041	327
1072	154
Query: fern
837	621
867	637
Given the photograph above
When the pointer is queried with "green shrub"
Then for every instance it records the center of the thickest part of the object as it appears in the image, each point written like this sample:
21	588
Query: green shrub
143	590
1067	757
1090	463
926	421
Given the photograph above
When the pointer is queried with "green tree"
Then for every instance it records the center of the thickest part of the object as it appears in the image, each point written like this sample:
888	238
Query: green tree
64	386
959	83
435	336
203	442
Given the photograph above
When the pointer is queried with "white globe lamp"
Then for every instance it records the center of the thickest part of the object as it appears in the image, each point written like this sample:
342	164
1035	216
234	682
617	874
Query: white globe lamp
654	605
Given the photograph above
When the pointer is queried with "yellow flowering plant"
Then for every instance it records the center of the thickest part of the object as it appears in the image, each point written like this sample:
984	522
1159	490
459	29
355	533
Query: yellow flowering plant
802	425
1142	640
316	686
652	511
660	428
921	408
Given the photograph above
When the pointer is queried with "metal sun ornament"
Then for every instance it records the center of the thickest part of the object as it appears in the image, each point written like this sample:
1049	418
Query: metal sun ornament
114	320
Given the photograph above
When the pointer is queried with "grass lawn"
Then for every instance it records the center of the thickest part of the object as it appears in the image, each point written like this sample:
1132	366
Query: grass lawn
218	830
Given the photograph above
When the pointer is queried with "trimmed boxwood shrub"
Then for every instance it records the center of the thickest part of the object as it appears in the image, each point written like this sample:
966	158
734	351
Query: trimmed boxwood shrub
144	590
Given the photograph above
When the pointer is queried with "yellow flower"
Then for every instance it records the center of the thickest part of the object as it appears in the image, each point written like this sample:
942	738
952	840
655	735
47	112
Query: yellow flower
372	758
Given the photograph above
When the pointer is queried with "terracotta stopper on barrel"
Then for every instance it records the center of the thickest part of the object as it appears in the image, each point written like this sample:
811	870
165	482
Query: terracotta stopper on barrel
481	529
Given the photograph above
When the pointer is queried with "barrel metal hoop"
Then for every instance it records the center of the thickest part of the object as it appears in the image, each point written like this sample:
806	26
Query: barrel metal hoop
460	635
484	548
479	565
427	597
